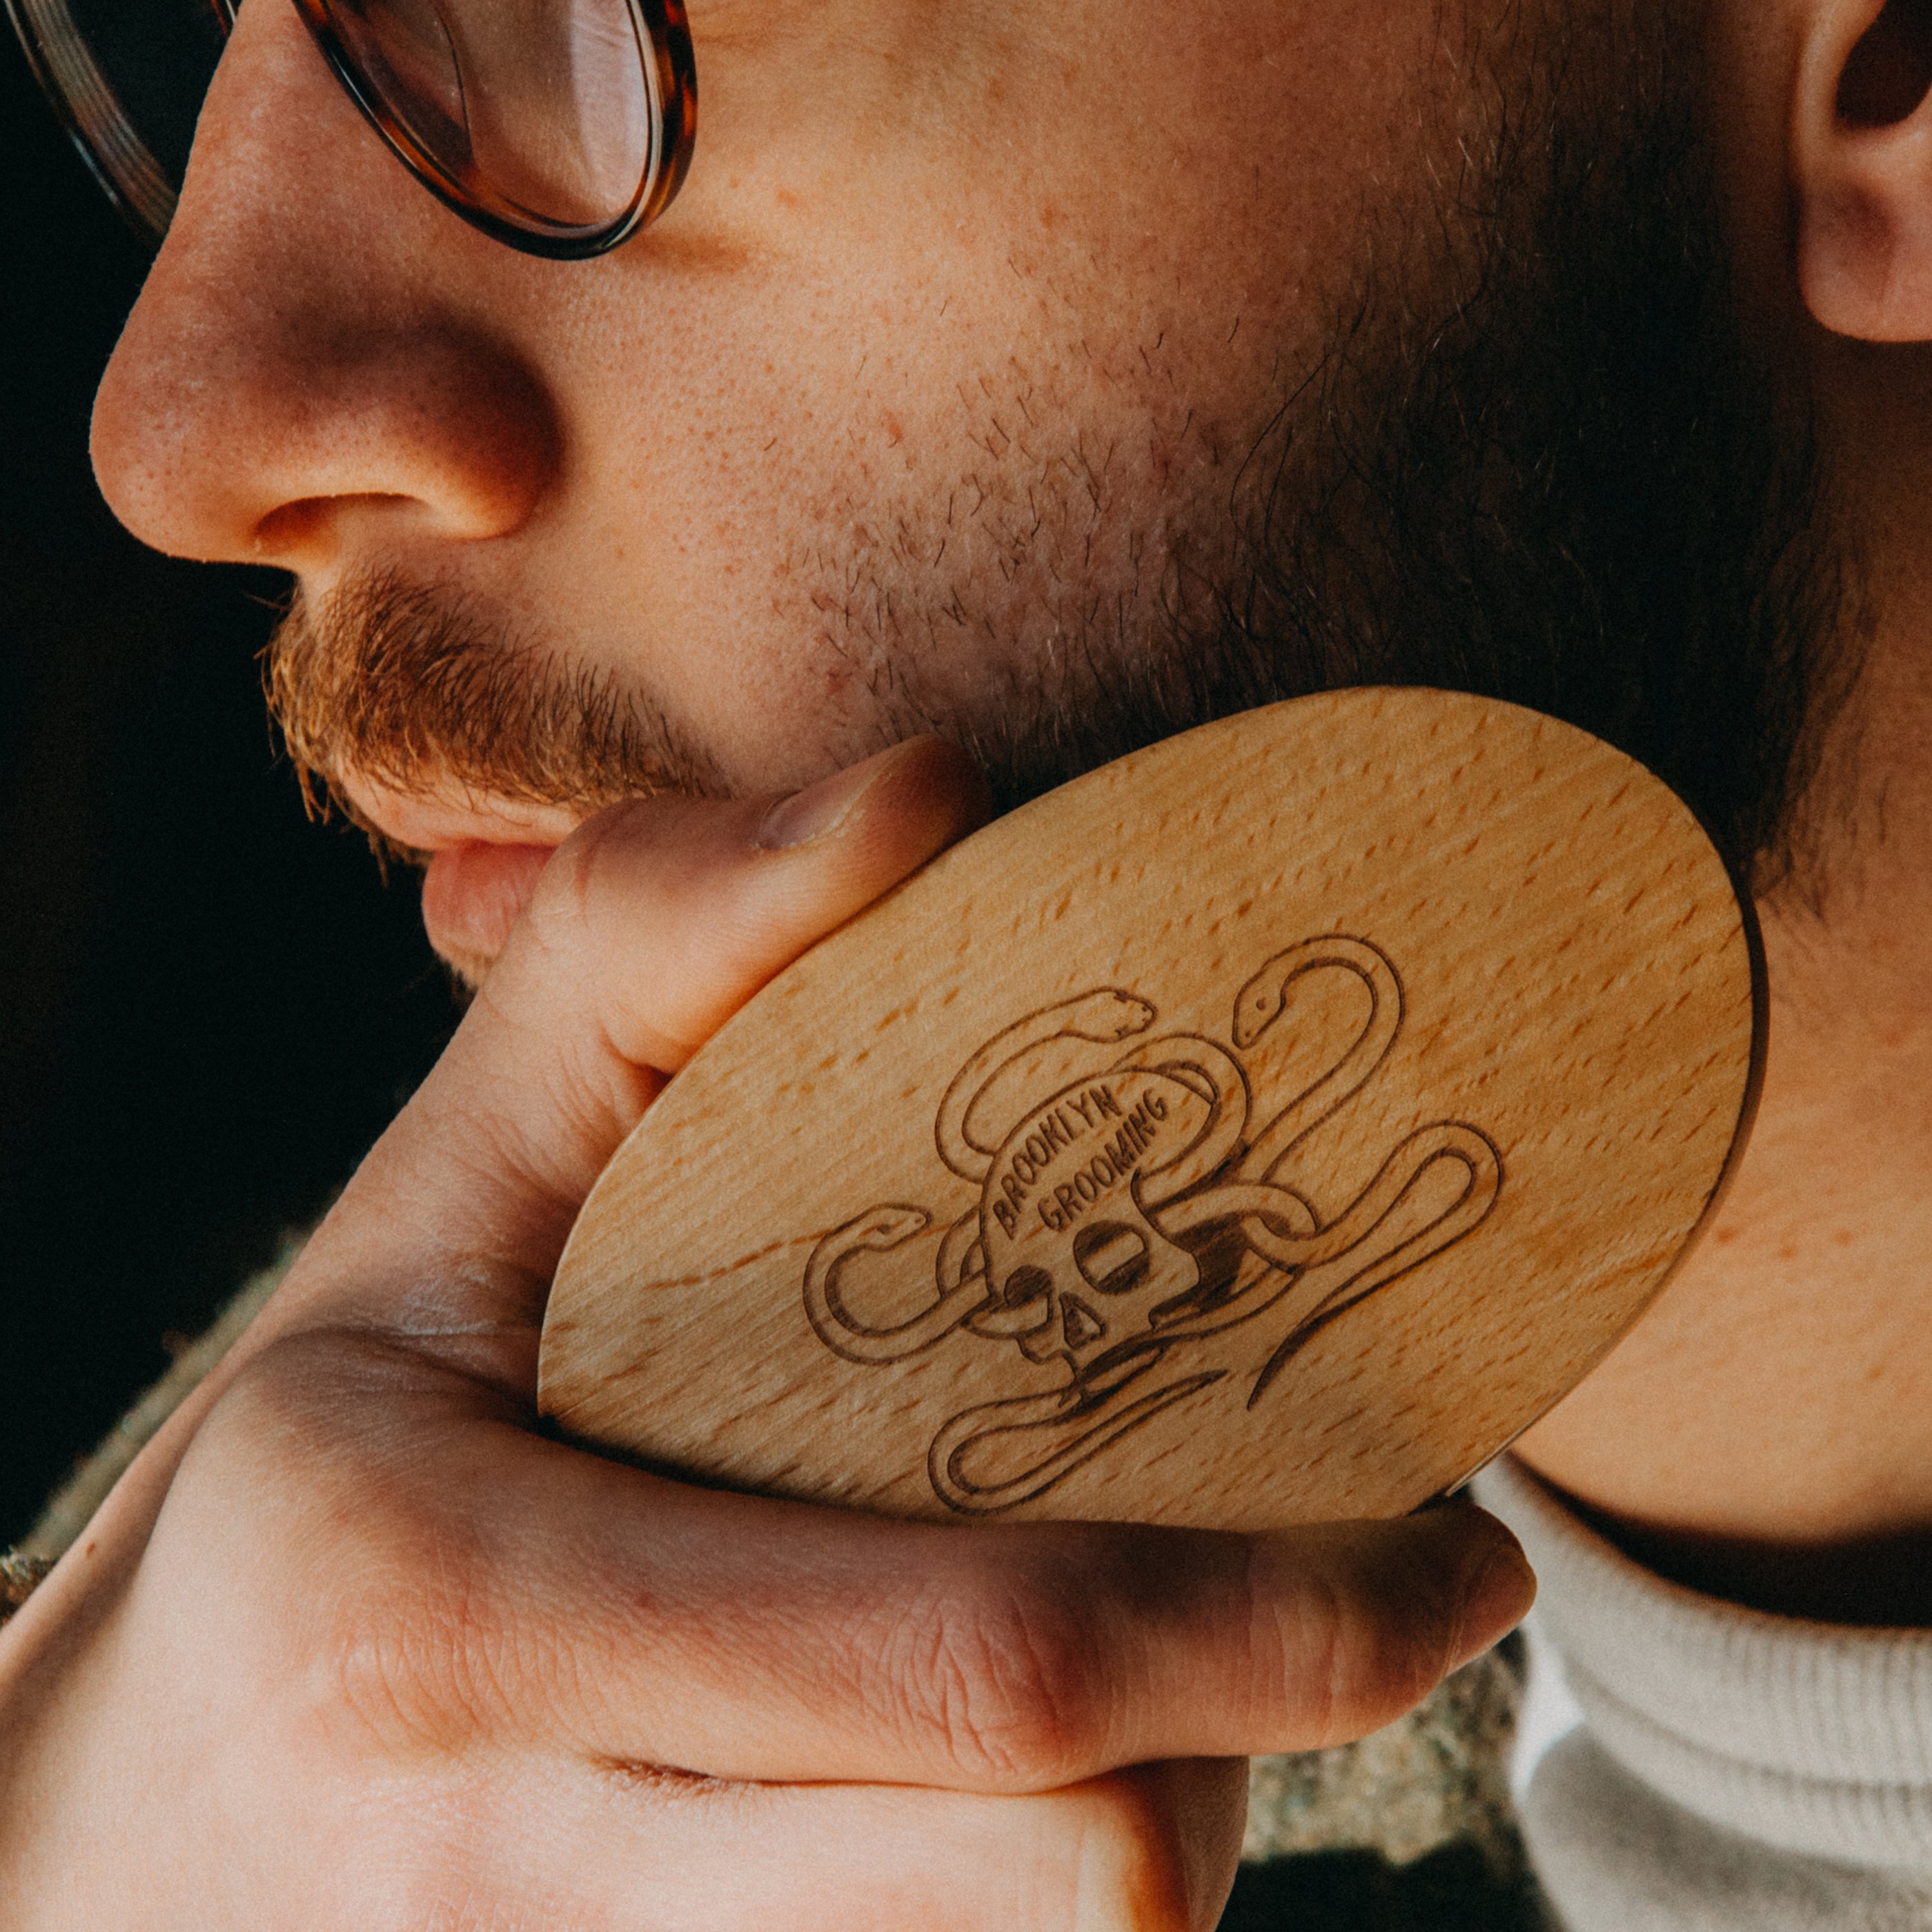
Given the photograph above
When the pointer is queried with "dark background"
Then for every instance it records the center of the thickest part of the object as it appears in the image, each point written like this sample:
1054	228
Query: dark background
209	1008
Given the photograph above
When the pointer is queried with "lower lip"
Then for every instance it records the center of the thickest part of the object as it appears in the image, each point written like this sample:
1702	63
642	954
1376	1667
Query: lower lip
473	895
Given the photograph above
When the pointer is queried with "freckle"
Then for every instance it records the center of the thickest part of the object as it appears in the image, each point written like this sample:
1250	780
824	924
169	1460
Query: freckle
785	198
1787	1251
1844	1237
1724	1237
895	432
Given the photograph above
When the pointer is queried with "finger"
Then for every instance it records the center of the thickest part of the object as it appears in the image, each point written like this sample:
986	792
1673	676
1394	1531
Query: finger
792	1644
649	927
553	1598
1152	1850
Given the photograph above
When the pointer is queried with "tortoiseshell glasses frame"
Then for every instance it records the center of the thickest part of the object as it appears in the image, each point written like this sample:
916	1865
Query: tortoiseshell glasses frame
560	127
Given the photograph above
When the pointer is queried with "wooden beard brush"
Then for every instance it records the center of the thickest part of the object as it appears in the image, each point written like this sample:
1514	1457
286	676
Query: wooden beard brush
1263	1129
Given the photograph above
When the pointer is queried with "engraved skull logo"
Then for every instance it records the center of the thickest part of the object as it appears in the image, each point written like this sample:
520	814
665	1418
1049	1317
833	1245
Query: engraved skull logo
1129	1213
1074	1259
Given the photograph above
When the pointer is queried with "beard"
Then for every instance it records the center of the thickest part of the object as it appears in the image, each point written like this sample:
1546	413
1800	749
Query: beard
1537	457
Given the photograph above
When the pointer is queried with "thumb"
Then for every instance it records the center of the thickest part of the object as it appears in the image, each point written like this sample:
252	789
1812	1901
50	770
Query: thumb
651	925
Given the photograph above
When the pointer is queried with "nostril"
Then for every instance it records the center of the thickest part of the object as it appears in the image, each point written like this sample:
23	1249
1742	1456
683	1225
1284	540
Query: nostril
1890	70
298	530
291	530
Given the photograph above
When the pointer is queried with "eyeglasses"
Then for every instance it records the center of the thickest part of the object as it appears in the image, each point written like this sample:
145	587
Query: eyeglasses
559	127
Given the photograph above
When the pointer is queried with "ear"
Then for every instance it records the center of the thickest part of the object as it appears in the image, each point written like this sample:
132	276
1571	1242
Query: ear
1861	156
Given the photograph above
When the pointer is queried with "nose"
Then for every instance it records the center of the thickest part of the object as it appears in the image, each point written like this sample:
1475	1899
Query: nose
318	365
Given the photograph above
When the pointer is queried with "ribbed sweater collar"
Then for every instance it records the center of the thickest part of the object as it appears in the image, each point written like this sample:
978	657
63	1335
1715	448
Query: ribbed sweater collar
1813	1737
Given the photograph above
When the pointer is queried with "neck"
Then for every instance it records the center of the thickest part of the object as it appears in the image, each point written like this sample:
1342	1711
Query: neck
1765	1432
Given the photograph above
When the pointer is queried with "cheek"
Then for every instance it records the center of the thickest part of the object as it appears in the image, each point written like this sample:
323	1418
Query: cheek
912	419
920	461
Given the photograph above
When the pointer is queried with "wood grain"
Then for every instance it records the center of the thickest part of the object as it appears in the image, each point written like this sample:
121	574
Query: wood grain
1263	1129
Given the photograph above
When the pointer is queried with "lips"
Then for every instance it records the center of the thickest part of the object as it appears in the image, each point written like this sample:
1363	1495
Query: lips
484	855
473	893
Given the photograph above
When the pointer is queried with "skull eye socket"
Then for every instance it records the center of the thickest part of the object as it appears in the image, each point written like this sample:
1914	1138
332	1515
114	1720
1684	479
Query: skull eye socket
1024	1285
1112	1256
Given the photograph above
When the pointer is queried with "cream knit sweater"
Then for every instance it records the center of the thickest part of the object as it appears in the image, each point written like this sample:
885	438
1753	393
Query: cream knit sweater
1734	1770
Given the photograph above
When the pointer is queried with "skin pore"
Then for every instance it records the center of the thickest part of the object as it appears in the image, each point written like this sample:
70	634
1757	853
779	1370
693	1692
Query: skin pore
983	380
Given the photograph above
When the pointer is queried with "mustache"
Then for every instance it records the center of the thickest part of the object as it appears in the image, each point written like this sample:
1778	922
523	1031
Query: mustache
414	688
1536	458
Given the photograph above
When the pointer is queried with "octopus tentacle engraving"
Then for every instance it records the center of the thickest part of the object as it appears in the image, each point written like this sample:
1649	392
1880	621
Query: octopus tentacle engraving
1106	1016
878	1228
1263	1001
1449	1141
1215	1075
1068	1434
1131	1214
1267	1220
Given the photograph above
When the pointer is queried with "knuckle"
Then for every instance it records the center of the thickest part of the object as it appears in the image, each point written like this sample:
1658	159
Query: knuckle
557	920
601	866
408	1666
423	1646
1005	1681
367	1581
1353	1668
1312	1641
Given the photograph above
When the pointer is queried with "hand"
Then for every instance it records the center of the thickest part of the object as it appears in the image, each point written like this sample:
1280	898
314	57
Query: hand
353	1646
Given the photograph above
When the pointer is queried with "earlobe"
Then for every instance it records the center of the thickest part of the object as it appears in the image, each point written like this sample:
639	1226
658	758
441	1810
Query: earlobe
1861	158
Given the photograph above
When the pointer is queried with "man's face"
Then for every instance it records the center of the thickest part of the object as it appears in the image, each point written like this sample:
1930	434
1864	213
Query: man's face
966	315
1049	375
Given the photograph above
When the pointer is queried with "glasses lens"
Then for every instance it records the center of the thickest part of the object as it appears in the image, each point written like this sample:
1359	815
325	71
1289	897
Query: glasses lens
546	115
128	77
